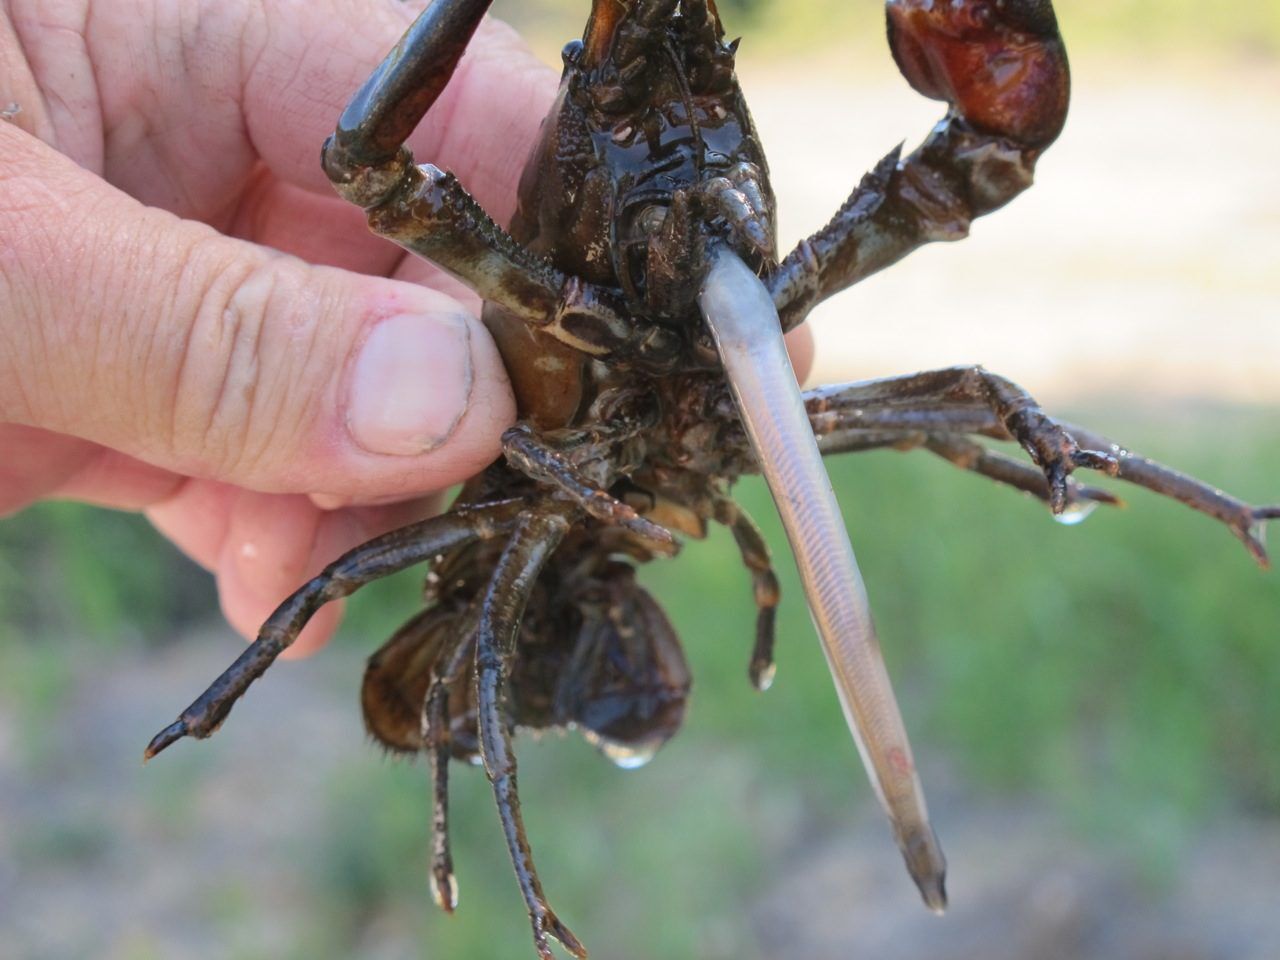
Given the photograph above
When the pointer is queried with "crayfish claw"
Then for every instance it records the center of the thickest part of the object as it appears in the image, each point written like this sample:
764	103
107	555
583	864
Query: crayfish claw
1002	66
1082	491
1252	532
1096	460
1056	474
545	922
165	738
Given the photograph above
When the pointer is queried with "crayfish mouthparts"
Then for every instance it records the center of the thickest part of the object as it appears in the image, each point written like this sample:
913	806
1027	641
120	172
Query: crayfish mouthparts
748	335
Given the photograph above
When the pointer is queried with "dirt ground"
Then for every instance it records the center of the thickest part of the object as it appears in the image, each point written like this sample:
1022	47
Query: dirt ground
204	857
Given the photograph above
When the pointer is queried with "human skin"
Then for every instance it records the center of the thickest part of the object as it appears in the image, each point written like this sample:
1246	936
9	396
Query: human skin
192	325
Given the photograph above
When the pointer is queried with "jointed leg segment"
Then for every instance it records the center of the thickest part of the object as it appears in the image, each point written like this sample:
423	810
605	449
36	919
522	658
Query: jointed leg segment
975	391
1006	82
755	554
939	411
437	742
502	608
540	460
372	561
428	212
1243	519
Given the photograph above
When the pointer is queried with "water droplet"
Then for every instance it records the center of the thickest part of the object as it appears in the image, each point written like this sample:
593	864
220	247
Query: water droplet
764	679
628	756
1076	513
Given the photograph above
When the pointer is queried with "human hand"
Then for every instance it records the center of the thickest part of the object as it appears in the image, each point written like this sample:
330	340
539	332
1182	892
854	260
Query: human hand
174	336
157	350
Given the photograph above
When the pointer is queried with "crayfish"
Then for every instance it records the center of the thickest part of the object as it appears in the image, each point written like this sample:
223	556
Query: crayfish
639	303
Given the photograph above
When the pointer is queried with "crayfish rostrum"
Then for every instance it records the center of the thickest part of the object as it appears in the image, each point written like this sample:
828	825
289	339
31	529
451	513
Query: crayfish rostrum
639	303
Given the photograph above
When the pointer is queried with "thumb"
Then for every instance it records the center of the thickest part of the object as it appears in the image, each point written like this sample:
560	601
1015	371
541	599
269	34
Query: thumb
212	357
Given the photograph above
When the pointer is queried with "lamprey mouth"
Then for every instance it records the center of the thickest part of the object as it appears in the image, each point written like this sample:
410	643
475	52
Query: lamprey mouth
748	335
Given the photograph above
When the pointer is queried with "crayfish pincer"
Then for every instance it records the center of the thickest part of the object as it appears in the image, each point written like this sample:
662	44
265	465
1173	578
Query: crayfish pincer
639	303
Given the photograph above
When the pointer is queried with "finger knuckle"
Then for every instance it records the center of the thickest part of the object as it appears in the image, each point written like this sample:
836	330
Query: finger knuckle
238	392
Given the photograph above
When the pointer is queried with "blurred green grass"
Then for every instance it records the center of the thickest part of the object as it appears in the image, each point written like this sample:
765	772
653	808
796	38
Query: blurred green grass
1125	670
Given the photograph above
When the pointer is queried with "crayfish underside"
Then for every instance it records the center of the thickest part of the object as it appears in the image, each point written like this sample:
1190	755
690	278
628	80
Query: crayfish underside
647	170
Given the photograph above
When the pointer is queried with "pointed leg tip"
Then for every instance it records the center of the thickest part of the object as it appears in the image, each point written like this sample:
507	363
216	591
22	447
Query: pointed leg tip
444	890
165	739
662	539
1098	495
1056	476
762	675
1252	534
551	925
575	947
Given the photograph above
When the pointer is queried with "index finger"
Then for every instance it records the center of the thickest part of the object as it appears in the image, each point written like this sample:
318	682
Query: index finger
482	127
266	81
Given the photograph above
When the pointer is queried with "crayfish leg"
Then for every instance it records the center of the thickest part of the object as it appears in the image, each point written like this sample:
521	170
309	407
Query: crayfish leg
437	738
943	411
540	460
1002	69
428	212
501	610
371	561
764	583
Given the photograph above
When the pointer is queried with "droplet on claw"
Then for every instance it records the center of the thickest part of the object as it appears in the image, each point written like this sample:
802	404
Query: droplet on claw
762	678
1076	513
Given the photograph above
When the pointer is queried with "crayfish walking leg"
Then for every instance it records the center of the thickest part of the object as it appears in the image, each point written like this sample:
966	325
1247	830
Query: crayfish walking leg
764	583
502	608
941	411
427	211
374	560
1053	449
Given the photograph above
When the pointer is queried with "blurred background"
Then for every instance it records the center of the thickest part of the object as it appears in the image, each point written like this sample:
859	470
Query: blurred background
1096	709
